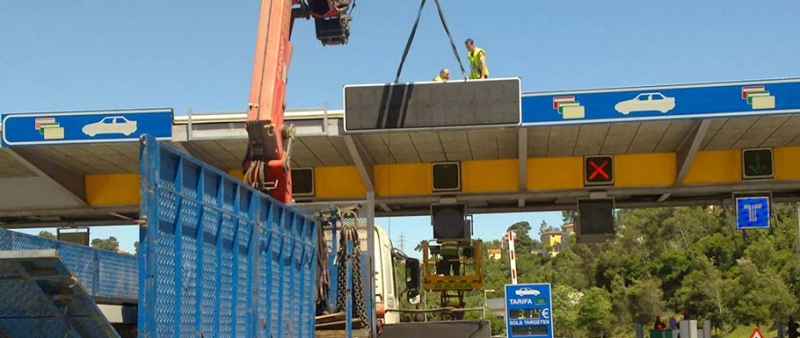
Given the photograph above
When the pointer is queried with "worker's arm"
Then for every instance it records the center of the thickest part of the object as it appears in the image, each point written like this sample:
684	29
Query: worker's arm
483	65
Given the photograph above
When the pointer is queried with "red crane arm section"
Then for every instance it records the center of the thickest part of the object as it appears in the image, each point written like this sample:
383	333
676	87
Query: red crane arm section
271	62
269	145
265	125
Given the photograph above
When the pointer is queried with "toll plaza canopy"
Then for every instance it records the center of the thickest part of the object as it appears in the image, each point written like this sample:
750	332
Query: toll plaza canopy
481	142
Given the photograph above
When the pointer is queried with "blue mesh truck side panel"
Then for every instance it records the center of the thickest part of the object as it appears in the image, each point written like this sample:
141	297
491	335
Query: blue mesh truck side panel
218	258
40	298
105	275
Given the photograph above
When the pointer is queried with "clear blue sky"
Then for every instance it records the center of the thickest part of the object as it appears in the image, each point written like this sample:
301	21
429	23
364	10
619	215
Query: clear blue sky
111	55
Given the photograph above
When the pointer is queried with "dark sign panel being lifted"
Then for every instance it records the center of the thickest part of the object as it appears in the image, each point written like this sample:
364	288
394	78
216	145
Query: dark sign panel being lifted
422	105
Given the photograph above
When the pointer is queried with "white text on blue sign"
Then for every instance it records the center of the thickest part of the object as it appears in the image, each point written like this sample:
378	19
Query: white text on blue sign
516	322
520	301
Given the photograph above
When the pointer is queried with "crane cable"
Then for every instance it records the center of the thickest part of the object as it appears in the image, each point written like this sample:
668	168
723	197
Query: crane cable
414	32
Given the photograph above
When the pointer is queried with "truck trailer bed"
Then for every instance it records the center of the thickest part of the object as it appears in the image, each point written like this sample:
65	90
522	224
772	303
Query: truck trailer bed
41	298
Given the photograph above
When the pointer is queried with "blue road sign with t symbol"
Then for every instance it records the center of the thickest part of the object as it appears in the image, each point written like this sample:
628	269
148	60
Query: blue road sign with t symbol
752	212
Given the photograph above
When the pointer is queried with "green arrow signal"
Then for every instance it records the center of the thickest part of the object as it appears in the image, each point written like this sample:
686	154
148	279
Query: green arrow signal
757	163
757	166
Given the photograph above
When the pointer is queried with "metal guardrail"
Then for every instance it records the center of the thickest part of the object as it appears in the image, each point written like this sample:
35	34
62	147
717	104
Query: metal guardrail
192	119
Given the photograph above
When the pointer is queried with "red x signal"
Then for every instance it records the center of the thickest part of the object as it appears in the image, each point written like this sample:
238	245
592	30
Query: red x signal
598	170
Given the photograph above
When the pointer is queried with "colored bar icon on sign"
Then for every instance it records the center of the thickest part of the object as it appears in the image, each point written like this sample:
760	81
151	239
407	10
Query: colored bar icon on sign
562	99
574	112
46	120
758	97
763	102
747	90
568	107
49	128
54	133
45	126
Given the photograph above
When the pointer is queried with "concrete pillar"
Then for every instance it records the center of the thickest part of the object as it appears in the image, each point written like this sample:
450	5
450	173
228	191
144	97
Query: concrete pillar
688	329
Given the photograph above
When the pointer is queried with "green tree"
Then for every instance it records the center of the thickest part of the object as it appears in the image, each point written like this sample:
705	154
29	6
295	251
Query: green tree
568	216
47	234
720	249
136	248
645	299
594	312
523	242
620	305
565	309
498	325
110	244
662	261
544	227
671	268
707	295
570	269
763	297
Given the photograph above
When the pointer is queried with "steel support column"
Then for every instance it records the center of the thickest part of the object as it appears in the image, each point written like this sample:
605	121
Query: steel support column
687	150
362	160
522	158
371	261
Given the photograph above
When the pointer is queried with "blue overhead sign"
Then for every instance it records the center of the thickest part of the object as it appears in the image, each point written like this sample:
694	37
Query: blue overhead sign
529	311
85	127
662	103
752	212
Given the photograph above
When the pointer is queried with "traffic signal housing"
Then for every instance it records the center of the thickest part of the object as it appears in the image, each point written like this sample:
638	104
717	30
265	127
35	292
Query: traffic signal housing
449	221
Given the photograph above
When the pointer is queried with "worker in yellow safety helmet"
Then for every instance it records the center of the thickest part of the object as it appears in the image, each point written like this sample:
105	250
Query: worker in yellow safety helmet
444	75
477	61
450	258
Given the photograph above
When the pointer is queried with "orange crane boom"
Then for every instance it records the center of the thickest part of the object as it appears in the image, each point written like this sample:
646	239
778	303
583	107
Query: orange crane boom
267	163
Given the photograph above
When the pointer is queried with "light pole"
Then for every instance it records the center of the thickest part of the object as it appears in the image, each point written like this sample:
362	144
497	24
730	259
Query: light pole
485	302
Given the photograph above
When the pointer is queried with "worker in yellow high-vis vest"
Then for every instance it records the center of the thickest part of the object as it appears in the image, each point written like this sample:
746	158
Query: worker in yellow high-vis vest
477	61
450	258
444	75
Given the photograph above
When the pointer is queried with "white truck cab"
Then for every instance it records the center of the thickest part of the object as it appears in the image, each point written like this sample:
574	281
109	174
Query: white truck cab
386	283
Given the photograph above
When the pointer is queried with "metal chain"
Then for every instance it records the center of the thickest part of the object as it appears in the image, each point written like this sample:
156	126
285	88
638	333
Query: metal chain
323	278
359	307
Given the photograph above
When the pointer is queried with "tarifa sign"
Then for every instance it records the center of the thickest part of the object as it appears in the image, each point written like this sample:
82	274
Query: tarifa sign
529	311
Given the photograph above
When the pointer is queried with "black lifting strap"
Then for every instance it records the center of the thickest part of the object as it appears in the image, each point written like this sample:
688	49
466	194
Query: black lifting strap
414	32
452	44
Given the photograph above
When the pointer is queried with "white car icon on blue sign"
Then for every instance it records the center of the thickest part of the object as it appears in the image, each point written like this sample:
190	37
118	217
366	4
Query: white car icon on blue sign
111	125
646	102
527	292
